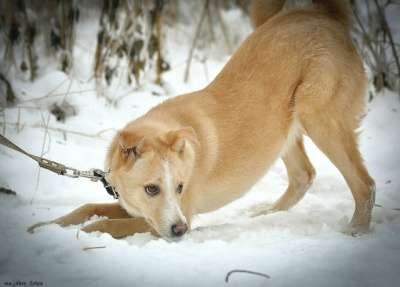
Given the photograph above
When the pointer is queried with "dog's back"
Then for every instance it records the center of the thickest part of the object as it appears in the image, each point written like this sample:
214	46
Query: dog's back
304	57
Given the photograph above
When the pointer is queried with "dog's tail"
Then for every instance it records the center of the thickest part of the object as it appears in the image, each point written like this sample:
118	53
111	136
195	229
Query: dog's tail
262	10
339	10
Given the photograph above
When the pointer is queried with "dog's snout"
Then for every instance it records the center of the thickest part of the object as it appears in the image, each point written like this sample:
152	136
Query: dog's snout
179	229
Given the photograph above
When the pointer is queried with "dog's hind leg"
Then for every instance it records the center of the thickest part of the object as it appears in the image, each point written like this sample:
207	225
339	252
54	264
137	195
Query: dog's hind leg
337	139
119	228
300	172
83	213
300	175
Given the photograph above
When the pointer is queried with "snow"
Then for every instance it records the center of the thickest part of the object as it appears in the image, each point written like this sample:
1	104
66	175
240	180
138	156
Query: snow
304	246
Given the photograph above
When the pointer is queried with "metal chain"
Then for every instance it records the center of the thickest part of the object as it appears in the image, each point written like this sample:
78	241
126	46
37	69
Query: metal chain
93	174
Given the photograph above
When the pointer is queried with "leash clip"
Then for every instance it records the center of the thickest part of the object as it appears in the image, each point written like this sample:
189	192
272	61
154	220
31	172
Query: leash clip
95	175
101	175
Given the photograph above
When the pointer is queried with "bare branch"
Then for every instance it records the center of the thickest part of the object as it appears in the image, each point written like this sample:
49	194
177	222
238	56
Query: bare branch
389	34
93	247
223	28
196	36
41	155
97	135
245	271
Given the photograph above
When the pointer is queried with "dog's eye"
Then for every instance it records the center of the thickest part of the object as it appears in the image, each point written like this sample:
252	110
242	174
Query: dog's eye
179	188
152	189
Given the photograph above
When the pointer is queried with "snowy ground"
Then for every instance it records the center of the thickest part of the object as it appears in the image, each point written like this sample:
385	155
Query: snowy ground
304	246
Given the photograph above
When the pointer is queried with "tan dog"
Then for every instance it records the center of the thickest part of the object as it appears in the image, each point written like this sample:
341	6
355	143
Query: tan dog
297	74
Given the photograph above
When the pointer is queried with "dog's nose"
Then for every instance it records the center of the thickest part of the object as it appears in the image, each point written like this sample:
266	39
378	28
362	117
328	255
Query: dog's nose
179	229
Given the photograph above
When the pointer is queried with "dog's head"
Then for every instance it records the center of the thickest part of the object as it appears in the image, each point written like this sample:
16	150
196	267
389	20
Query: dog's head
151	173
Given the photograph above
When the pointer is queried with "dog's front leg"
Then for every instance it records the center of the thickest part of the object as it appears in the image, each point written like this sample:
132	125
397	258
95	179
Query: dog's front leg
83	213
119	228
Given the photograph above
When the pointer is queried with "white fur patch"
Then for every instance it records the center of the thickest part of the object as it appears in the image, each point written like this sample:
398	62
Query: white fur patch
132	211
171	212
294	132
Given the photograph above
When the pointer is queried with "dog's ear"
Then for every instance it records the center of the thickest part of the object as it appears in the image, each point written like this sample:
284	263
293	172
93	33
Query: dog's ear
131	145
177	139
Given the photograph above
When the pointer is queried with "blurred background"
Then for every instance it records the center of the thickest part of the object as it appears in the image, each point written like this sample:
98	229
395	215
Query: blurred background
115	45
123	44
73	72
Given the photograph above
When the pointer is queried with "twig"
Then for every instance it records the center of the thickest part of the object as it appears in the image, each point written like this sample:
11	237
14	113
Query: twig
58	95
99	133
68	90
376	63
56	87
365	34
245	271
196	36
18	120
41	155
93	247
28	43
381	42
223	28
49	94
160	60
210	24
96	135
46	126
4	122
389	34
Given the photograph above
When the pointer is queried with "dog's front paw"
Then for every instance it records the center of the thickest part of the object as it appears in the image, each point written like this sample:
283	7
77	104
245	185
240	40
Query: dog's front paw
119	228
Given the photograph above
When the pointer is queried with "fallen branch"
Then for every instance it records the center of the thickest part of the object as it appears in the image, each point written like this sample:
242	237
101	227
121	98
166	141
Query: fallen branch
223	28
245	271
388	32
196	36
93	247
